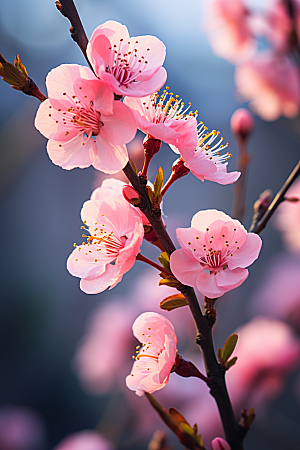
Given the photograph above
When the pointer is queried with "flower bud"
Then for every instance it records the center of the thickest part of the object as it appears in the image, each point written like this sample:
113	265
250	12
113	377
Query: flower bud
219	444
151	145
179	168
242	123
131	195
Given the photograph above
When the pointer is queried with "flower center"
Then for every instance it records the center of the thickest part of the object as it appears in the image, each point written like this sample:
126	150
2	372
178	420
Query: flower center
78	116
124	62
166	107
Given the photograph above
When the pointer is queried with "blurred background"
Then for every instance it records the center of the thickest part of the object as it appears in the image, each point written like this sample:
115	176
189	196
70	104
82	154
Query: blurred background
53	380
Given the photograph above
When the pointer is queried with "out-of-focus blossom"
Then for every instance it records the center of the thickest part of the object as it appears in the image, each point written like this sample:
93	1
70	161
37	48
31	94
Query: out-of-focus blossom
219	444
288	219
129	66
214	254
84	440
276	25
271	83
84	124
278	294
21	429
242	123
98	368
164	117
267	350
116	235
205	160
156	357
229	31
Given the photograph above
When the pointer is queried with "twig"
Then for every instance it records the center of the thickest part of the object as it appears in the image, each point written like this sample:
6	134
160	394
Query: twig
68	9
239	186
276	202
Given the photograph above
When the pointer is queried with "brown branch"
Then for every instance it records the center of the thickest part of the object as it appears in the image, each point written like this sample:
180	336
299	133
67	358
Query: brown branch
239	187
259	226
68	9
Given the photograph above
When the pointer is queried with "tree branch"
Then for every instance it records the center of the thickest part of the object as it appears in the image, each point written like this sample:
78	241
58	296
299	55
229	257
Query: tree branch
259	226
68	9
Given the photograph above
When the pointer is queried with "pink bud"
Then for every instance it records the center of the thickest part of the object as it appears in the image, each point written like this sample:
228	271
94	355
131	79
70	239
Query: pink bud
129	193
220	444
242	123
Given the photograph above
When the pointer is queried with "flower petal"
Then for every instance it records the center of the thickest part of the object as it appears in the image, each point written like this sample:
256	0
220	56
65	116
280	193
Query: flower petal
185	267
248	252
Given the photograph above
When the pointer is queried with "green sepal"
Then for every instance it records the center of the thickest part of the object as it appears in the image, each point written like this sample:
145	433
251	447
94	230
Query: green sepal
158	183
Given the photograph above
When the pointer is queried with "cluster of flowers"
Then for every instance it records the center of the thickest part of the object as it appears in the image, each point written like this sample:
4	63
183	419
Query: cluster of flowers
268	79
89	118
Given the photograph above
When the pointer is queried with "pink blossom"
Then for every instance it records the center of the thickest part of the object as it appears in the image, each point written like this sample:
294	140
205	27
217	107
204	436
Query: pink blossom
151	370
267	350
271	83
84	440
220	444
98	368
165	118
84	124
229	30
214	254
116	235
288	219
206	162
129	66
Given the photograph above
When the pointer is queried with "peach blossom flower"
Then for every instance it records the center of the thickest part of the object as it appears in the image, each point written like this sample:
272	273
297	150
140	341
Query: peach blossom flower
220	444
229	30
165	118
267	350
84	440
214	254
84	124
152	368
288	219
116	235
271	83
206	162
129	66
97	367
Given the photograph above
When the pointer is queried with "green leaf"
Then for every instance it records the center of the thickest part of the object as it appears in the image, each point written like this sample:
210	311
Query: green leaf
187	428
231	362
164	259
172	282
200	440
159	181
173	302
229	347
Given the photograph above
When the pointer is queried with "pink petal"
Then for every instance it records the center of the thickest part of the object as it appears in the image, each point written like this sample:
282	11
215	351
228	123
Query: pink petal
207	285
203	219
83	266
110	158
230	279
95	91
71	154
62	78
43	122
185	267
120	127
99	284
185	235
248	252
155	56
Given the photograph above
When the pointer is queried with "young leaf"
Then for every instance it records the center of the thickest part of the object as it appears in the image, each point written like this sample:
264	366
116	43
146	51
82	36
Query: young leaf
173	302
164	259
159	181
229	346
172	282
231	362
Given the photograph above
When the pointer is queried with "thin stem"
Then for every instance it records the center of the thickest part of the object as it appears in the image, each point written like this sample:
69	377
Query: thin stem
239	186
171	180
68	9
277	200
143	258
